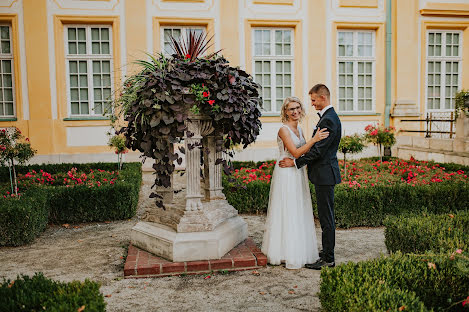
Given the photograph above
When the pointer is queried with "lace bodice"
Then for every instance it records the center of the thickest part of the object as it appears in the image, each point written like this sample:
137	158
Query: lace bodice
298	141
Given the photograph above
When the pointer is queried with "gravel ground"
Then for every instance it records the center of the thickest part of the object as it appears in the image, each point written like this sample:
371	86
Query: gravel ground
95	251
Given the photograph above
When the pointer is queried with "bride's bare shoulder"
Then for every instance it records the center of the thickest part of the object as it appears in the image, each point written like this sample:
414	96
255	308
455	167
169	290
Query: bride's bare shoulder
282	130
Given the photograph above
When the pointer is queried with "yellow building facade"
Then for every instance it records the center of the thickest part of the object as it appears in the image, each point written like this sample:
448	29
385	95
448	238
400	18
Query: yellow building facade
61	60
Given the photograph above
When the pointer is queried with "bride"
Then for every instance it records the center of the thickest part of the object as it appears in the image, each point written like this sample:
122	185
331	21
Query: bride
289	234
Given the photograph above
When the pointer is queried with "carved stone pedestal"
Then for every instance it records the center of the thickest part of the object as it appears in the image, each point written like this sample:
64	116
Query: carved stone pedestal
165	242
195	225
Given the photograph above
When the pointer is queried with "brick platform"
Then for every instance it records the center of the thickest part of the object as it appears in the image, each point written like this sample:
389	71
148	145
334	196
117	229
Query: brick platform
245	256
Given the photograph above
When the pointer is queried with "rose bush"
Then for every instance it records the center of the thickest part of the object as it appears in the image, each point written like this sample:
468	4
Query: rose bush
380	136
368	173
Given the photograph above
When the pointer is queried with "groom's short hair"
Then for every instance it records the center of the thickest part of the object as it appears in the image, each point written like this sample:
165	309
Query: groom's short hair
320	89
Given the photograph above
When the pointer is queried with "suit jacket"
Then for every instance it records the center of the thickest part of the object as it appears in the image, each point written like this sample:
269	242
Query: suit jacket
323	167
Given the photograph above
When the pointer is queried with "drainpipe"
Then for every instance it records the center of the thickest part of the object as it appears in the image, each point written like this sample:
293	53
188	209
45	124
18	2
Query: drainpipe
387	108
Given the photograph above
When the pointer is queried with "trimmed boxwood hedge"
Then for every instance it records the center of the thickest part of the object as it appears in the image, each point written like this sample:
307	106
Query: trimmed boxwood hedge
107	202
437	233
21	220
366	206
417	282
39	293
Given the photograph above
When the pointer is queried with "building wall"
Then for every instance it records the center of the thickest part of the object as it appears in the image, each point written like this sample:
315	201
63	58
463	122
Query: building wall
41	96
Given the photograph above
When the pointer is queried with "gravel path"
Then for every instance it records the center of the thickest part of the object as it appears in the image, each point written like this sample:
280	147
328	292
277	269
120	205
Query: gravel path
95	251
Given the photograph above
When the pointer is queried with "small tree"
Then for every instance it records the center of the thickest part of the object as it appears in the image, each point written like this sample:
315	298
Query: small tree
14	146
350	144
118	143
380	136
461	103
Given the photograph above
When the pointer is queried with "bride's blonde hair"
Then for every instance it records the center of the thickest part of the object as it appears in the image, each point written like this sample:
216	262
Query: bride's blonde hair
288	100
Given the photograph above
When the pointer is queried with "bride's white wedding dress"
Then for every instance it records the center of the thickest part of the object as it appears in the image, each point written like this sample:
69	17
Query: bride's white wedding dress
289	234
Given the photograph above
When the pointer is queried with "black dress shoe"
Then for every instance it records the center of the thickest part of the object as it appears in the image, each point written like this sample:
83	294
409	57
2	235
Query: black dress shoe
319	264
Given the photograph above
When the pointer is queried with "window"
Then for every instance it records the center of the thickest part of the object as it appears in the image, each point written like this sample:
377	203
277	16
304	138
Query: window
273	65
7	101
89	62
443	69
356	70
177	33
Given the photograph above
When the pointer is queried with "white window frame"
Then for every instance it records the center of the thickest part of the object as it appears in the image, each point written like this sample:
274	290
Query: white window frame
355	59
9	57
443	59
183	29
89	57
273	58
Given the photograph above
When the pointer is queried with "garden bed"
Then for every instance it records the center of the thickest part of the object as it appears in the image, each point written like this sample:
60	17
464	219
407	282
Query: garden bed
65	193
371	191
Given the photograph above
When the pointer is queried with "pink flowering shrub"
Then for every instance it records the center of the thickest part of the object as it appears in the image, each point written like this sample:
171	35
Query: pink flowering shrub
380	136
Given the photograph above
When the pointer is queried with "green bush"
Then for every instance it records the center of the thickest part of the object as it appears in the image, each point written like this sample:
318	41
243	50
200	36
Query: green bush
418	282
437	233
39	293
23	219
364	206
249	198
107	202
370	206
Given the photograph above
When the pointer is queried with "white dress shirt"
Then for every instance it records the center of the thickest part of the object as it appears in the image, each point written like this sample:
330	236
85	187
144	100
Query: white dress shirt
322	111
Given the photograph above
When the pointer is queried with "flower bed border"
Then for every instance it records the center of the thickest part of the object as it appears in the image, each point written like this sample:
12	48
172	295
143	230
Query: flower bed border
22	220
364	206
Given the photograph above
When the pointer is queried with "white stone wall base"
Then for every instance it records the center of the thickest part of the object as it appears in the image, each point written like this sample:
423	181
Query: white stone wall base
165	242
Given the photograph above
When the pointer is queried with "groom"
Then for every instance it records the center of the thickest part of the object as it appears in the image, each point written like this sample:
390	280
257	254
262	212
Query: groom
323	171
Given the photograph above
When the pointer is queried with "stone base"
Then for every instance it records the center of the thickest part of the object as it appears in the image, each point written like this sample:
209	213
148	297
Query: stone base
165	242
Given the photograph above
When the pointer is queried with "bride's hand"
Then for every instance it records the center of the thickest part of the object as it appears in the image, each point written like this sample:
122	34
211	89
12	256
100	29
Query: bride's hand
321	134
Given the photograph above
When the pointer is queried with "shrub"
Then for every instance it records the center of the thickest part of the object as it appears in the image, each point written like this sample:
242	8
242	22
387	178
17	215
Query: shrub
417	282
380	136
370	206
350	144
437	233
23	219
107	202
12	148
250	198
364	206
39	293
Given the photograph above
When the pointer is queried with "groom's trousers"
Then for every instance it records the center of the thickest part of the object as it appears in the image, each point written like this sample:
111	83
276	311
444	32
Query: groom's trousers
325	202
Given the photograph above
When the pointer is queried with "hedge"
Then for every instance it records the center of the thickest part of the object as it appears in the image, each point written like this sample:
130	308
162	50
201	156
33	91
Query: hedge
437	233
39	293
21	220
366	206
417	282
107	202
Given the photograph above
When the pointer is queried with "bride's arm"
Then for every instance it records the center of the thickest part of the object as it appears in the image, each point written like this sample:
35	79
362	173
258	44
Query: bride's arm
284	134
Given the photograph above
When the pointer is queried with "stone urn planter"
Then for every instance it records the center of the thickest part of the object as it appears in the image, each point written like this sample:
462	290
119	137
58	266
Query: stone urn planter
198	224
197	98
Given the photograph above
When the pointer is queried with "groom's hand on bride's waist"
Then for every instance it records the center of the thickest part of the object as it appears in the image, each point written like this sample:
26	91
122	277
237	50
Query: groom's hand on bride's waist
286	162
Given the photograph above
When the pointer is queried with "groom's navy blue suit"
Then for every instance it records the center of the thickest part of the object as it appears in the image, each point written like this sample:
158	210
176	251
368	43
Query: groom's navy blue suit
324	173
